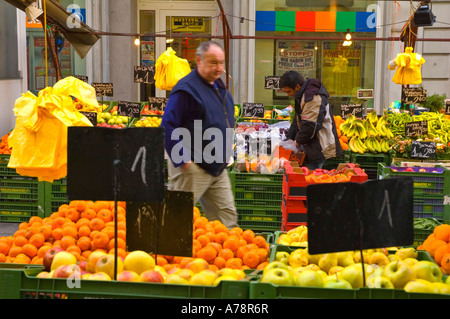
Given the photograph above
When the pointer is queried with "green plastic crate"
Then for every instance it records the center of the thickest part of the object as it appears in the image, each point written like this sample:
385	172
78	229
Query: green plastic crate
55	195
20	189
237	178
23	284
259	219
368	160
431	207
333	163
20	211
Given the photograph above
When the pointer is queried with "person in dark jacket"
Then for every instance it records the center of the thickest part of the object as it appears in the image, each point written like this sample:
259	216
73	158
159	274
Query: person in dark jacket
313	127
199	123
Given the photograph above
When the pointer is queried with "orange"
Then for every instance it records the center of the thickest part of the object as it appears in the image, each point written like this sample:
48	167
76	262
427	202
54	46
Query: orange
99	205
97	223
67	241
46	230
2	258
197	213
110	231
442	232
89	213
105	214
42	250
221	228
234	263
74	249
445	263
85	254
207	253
218	247
236	231
22	259
31	231
198	232
58	222
84	243
248	235
219	262
100	240
57	233
81	205
73	214
15	250
232	242
84	230
20	232
226	253
426	243
200	222
23	225
120	243
37	240
220	237
83	221
69	231
251	259
435	245
262	265
20	241
440	252
161	260
184	261
4	248
120	252
196	245
34	219
260	241
121	233
203	239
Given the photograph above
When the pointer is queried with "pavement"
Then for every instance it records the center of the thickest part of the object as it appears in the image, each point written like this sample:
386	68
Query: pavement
8	229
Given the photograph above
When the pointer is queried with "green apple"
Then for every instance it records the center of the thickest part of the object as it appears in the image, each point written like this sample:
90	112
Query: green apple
111	121
282	256
275	264
404	253
441	287
336	283
309	278
428	270
399	273
419	285
106	116
279	277
353	274
377	281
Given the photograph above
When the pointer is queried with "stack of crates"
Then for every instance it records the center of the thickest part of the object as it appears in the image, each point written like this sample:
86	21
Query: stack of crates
55	195
431	191
294	206
369	162
21	197
258	200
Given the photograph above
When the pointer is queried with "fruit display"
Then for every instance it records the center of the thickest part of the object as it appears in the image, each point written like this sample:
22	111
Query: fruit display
146	111
112	120
370	135
148	121
343	140
400	269
4	146
297	236
83	107
437	245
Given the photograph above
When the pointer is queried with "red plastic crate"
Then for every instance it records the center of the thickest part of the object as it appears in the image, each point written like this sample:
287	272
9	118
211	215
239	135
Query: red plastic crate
294	213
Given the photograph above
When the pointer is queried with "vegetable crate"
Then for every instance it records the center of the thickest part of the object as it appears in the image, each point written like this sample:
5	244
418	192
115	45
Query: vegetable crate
368	160
258	200
55	195
5	171
431	189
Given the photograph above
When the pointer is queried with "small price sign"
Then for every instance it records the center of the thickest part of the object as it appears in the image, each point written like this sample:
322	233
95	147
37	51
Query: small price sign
355	109
272	82
447	107
130	109
81	77
423	150
413	95
414	129
92	116
144	74
157	103
104	89
252	110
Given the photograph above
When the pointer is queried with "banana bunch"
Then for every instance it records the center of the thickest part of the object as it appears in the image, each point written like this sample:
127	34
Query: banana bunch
356	145
375	145
382	127
371	126
353	127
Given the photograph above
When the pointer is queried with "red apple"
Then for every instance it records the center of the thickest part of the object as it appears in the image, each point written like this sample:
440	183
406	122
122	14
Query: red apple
128	275
151	276
66	271
82	264
48	257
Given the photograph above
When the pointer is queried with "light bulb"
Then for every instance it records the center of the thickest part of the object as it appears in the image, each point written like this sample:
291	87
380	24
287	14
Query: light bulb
137	41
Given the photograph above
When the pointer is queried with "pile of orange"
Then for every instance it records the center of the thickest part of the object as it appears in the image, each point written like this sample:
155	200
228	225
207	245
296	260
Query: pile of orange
222	247
437	245
4	146
79	227
343	140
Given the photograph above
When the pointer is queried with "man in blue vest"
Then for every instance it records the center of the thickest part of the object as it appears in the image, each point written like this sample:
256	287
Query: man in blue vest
199	123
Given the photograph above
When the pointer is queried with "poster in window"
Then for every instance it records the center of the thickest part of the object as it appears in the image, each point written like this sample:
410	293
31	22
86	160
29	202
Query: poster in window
299	56
341	67
148	52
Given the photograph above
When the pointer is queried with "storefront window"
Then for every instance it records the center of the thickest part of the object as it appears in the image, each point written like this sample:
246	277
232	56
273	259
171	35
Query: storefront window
308	36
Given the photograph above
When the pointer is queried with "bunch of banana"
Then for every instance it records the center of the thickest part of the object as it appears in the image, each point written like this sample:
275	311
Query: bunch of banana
372	117
382	127
357	145
370	128
354	127
375	145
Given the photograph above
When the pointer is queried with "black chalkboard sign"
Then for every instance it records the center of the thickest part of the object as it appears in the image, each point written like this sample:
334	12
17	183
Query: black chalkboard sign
92	116
447	107
157	103
105	163
356	216
144	74
152	227
348	109
426	150
130	109
252	110
413	95
417	128
103	89
272	82
81	77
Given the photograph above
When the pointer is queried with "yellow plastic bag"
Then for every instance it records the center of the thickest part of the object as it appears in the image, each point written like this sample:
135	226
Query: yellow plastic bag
39	138
408	67
169	69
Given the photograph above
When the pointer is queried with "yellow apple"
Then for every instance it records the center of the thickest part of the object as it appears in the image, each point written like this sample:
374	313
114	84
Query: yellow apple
176	279
63	258
197	265
128	275
92	260
106	264
139	261
99	276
